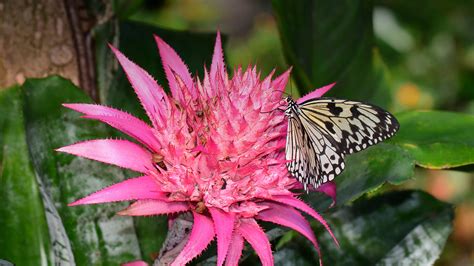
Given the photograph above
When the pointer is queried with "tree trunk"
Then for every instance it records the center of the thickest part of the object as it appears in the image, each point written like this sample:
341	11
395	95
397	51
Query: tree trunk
46	37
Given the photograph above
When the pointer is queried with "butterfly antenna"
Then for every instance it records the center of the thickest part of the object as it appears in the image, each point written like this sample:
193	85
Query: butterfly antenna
273	110
282	92
291	87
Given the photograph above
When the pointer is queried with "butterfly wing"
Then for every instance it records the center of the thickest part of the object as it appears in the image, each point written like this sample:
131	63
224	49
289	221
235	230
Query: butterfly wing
312	157
301	161
354	126
321	131
330	159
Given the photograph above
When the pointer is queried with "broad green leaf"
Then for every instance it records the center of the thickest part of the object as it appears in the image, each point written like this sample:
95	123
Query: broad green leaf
136	41
151	233
366	171
24	237
125	8
292	257
94	234
422	139
331	41
402	228
436	139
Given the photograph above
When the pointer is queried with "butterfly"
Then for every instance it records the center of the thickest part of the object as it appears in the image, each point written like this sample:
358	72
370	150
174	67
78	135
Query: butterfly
321	131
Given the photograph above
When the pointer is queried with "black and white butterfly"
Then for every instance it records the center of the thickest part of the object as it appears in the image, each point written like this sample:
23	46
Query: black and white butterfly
321	131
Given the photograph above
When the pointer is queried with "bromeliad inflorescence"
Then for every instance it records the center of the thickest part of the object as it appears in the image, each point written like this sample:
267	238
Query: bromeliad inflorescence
212	149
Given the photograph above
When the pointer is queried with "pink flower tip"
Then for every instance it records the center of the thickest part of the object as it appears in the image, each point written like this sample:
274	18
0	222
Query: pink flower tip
75	203
316	93
135	263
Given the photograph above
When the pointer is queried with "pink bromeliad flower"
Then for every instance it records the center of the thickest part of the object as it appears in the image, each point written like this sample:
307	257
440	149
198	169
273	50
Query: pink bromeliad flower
214	148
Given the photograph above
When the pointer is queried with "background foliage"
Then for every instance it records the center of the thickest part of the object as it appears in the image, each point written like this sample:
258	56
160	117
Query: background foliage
395	200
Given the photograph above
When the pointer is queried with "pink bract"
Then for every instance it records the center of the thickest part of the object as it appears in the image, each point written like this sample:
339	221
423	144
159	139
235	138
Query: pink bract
214	148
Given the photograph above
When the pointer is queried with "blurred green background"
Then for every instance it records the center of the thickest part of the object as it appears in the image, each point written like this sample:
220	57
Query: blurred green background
427	48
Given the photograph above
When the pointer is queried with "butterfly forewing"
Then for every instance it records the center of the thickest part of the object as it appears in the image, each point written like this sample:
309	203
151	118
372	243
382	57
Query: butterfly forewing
321	131
353	125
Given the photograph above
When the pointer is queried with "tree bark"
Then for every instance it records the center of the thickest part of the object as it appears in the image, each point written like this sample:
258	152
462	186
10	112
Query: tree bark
39	38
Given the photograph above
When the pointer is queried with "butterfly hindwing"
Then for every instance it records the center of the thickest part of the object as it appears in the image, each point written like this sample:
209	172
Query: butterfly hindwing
312	157
301	163
330	159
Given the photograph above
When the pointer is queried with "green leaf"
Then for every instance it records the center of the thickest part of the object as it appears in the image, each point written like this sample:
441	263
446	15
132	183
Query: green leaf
151	233
24	237
95	235
366	171
331	41
436	139
125	8
194	48
422	139
403	228
292	257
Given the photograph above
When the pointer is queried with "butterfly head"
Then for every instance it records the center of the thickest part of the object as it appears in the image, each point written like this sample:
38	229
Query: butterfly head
289	101
292	106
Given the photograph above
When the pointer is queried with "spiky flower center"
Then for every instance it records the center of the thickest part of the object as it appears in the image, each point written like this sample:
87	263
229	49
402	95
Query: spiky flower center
228	147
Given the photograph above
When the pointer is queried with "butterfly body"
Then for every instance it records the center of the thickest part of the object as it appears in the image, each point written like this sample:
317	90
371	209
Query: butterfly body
321	131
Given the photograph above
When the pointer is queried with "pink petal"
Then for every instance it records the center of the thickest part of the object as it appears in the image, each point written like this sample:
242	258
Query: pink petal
154	207
300	205
122	121
139	188
250	230
223	225
122	153
173	63
135	263
289	217
235	250
329	188
201	235
316	93
218	66
280	82
151	95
